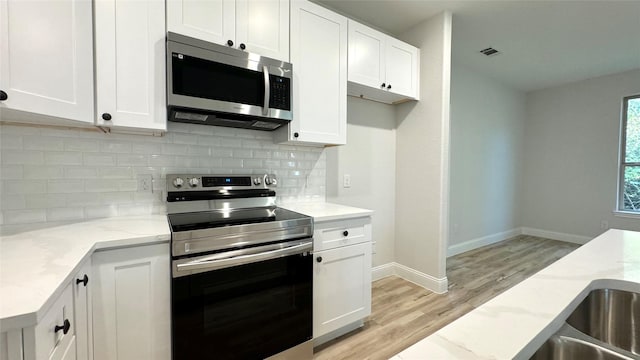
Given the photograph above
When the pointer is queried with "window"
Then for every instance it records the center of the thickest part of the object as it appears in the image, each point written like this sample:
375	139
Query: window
629	197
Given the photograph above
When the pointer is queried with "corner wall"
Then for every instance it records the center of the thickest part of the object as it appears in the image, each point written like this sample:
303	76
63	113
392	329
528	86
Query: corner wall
571	156
422	159
487	134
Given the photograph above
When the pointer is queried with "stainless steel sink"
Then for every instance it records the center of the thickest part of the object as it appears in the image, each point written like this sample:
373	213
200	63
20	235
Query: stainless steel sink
611	316
570	344
605	325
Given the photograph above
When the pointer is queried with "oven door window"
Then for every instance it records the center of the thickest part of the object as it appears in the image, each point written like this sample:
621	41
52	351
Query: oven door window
211	80
245	312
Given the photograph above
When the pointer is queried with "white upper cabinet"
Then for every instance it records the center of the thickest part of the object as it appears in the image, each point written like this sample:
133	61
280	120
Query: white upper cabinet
46	59
256	26
319	58
382	68
130	64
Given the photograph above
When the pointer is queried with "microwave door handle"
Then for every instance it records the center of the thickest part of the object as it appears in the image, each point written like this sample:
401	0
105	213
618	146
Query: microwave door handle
267	91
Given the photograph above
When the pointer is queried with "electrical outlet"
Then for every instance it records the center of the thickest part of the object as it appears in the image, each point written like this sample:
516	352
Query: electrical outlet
346	181
145	183
604	225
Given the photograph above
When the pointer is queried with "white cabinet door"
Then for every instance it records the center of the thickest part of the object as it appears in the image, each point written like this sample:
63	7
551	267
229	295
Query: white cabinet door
402	68
366	55
130	64
319	58
131	303
46	58
341	287
82	284
209	20
263	27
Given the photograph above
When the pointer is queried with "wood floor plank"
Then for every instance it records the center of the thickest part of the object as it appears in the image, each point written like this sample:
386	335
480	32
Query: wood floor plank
403	313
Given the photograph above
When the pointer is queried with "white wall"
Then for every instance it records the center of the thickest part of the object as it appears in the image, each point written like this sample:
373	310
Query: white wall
487	124
370	159
571	155
55	174
422	158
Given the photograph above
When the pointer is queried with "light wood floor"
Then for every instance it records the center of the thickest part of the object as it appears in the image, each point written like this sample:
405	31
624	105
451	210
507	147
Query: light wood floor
404	313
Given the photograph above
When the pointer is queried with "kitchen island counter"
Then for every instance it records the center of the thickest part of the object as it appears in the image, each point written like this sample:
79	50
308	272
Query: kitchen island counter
515	323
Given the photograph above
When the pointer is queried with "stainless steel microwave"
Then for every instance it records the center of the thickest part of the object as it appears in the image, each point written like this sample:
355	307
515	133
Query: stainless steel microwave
212	84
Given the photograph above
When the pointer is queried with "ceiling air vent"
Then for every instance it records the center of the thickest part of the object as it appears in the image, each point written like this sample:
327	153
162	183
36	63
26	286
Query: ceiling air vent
490	51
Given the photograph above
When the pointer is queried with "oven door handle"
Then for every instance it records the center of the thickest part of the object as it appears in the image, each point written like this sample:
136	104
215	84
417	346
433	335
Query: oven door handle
221	263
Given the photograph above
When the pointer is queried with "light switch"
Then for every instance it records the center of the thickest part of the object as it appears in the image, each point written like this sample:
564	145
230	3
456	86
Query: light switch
346	181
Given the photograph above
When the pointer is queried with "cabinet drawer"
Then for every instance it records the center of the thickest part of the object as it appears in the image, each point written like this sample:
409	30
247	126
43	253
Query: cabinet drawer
48	341
334	234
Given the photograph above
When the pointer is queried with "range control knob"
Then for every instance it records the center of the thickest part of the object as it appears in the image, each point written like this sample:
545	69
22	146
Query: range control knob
178	182
270	181
193	182
257	181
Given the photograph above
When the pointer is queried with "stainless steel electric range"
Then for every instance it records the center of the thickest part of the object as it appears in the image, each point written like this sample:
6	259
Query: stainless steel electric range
241	270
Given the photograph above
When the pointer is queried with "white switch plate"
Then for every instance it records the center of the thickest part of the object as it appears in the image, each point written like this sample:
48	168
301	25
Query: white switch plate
346	181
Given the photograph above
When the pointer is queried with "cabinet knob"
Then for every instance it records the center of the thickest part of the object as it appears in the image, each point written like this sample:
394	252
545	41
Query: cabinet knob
84	280
345	233
383	85
319	259
229	42
295	135
242	47
106	116
3	96
65	327
388	86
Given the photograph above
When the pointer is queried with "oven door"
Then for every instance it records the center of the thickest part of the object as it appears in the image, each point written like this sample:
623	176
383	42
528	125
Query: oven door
249	306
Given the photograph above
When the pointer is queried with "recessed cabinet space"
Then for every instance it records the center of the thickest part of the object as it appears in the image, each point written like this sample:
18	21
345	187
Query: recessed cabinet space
381	68
256	26
341	277
46	61
130	65
319	58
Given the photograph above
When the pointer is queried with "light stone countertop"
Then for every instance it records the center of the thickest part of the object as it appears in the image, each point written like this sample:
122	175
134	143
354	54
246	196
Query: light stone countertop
35	264
515	323
323	211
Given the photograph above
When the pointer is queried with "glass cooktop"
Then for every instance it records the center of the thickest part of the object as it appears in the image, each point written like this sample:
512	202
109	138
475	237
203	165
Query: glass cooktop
219	218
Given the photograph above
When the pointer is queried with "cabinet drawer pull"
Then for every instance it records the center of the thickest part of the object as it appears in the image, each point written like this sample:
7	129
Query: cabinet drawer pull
65	327
345	233
319	259
242	46
389	87
84	280
106	116
229	42
383	85
3	96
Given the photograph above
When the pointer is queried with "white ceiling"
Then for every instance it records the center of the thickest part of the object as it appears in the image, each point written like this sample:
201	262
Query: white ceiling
542	43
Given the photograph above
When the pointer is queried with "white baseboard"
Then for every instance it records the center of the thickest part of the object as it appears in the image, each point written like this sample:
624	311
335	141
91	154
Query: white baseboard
426	281
482	241
382	271
576	239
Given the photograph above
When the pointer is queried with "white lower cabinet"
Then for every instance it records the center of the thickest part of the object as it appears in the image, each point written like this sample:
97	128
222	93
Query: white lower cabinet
63	333
131	305
341	276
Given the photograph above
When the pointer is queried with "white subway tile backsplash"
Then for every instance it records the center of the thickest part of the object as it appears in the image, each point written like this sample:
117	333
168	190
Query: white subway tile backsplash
63	158
24	216
22	157
32	142
59	174
99	159
63	214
